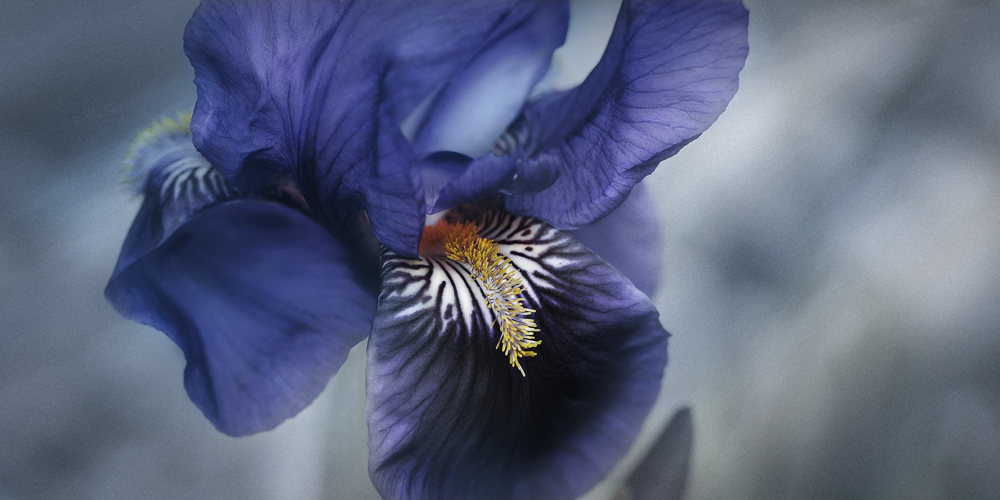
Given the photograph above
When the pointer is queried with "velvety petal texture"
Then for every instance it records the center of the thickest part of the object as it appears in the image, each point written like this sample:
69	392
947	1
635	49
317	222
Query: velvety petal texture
669	70
263	301
630	239
316	90
450	418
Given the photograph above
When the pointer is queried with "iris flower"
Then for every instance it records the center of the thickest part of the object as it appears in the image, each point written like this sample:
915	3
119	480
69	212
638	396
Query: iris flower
512	347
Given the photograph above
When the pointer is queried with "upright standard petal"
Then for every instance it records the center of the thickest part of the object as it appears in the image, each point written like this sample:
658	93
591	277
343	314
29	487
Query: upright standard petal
316	90
669	70
263	301
450	416
486	95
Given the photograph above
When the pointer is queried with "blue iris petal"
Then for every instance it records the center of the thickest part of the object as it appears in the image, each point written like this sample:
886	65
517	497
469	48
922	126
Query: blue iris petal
264	302
480	101
630	239
451	179
450	418
316	91
668	72
462	179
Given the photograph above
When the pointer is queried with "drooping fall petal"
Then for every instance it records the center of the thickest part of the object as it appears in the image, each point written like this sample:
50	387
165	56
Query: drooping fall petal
264	302
450	417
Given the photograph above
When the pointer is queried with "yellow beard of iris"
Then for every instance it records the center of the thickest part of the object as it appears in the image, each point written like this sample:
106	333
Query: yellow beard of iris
501	286
181	125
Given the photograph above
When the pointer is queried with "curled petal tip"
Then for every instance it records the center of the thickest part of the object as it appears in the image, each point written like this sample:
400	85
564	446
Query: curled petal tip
669	71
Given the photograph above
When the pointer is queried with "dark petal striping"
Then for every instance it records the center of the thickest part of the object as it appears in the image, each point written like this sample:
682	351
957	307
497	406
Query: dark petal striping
450	418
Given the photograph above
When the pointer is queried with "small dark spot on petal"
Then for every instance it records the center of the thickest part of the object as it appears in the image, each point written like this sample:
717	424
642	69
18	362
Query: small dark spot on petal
529	249
448	312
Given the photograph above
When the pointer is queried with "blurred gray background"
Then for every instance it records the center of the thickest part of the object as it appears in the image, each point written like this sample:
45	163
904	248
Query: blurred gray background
831	278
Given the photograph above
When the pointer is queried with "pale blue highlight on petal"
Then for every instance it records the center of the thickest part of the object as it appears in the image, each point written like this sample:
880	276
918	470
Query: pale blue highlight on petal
481	101
590	26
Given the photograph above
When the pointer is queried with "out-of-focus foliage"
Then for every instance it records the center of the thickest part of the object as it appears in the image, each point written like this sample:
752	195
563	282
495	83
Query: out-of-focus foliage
662	472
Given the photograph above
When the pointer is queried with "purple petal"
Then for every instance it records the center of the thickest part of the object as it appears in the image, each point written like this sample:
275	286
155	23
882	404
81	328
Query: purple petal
669	71
316	90
450	418
630	239
451	179
264	302
484	97
468	179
